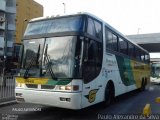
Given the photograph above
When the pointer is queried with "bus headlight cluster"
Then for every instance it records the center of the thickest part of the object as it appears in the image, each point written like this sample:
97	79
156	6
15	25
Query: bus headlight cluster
20	85
69	87
65	88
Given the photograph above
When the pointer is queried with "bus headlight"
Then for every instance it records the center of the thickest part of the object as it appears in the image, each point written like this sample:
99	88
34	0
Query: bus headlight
20	85
69	87
61	87
65	88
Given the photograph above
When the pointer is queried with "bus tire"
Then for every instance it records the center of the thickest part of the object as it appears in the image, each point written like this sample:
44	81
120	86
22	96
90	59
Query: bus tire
145	81
109	94
143	85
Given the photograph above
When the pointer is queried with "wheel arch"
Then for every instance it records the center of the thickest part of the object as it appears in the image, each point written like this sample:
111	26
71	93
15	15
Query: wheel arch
111	83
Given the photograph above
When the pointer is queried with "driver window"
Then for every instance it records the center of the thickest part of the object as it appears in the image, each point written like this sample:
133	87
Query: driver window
93	60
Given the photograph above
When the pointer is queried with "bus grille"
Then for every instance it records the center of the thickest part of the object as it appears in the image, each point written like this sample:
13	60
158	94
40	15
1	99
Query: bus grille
32	86
47	87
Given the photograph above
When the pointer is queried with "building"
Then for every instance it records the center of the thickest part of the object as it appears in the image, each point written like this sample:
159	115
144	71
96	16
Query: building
14	15
13	22
150	41
26	10
7	38
7	26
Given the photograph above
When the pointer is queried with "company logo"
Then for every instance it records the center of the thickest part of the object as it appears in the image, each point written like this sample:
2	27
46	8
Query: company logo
92	95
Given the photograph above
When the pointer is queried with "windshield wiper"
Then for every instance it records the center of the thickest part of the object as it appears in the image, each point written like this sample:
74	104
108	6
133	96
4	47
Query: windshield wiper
49	66
33	59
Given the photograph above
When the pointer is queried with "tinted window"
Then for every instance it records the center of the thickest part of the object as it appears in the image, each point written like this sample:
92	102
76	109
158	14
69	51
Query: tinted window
147	58
138	54
131	51
91	27
123	46
11	3
73	23
98	28
142	56
114	42
1	33
94	28
10	35
111	40
108	39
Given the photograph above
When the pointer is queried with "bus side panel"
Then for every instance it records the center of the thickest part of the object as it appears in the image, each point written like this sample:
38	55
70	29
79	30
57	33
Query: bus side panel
132	72
94	91
141	71
124	74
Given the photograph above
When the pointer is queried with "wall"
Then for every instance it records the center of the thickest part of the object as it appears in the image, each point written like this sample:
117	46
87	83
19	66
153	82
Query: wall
26	10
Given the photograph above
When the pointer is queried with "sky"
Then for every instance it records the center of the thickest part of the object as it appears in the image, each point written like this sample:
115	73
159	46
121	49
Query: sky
127	16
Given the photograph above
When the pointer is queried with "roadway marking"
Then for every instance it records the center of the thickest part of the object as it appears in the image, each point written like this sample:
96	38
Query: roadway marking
157	100
147	110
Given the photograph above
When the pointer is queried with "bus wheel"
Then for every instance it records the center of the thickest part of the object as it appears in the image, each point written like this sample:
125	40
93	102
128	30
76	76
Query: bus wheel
109	94
143	85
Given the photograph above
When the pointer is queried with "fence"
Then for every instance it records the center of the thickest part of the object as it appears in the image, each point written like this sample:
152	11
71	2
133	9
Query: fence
7	87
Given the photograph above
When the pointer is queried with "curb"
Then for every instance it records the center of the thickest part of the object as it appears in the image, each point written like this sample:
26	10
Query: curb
7	103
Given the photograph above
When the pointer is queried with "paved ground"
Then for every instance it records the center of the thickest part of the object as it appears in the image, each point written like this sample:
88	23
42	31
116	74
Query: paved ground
131	104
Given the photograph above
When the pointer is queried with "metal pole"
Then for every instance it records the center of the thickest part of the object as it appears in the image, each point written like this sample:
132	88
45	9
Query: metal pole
138	30
23	29
5	51
64	5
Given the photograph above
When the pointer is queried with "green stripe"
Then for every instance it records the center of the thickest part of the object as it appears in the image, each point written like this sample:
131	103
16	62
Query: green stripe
125	70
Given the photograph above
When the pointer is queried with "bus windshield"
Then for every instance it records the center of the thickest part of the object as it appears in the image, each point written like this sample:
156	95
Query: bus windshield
155	70
45	55
65	24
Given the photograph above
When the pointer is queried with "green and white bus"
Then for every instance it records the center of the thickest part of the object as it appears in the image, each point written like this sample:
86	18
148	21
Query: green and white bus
155	72
78	60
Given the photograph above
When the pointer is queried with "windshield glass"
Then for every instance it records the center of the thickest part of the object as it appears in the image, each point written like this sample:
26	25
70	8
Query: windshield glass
61	51
32	56
155	70
55	25
51	57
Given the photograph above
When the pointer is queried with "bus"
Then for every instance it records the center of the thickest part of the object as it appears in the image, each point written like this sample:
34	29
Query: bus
77	60
155	72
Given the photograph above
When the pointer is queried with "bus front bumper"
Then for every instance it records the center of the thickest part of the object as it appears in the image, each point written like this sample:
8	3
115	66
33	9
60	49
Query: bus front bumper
49	98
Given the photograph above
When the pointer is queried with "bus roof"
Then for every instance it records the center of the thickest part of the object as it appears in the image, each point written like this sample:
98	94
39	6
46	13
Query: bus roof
89	14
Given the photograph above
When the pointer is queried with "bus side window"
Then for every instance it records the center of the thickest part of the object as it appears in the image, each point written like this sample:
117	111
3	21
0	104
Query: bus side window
115	43
109	38
98	29
123	46
94	28
138	54
142	56
131	52
147	58
91	27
